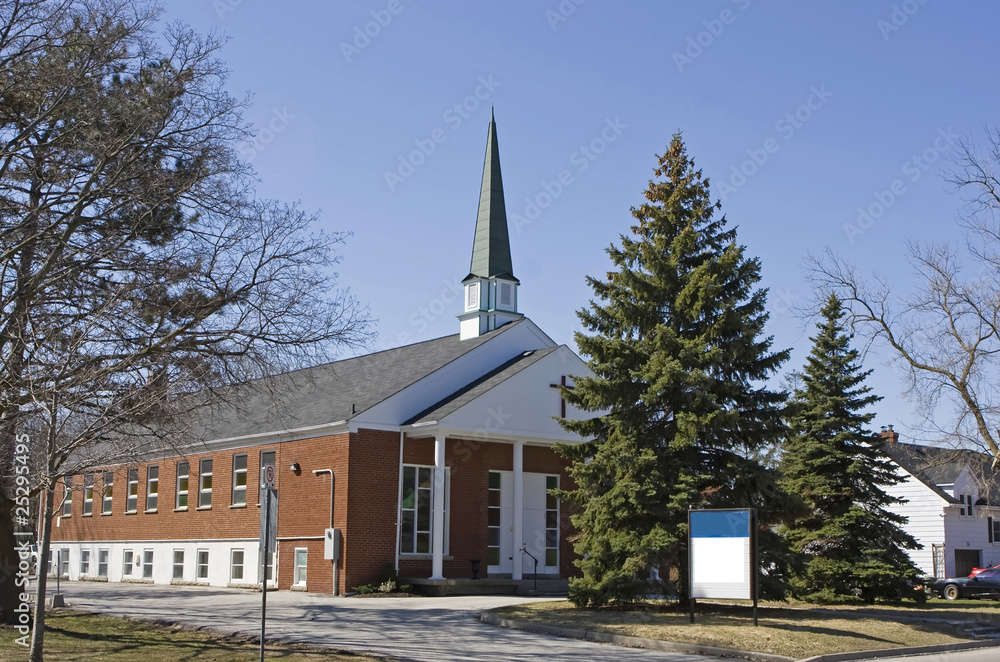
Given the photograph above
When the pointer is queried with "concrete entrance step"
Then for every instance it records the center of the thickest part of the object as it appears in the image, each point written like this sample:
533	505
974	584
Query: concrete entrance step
548	586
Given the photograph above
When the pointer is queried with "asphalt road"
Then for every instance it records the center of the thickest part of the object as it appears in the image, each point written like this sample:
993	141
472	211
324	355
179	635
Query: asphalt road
431	629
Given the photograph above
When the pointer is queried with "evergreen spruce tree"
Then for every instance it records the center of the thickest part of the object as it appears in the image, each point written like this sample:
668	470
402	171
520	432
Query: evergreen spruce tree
853	547
678	354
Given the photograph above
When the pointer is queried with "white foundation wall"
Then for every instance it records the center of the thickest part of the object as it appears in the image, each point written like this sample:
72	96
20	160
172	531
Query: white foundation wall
220	568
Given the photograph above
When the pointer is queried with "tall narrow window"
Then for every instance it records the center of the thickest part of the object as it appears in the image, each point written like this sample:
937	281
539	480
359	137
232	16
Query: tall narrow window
966	509
152	487
493	520
301	557
84	561
178	564
182	484
236	565
240	480
147	564
205	484
202	565
415	536
64	562
106	490
551	522
132	495
102	562
127	563
88	494
67	509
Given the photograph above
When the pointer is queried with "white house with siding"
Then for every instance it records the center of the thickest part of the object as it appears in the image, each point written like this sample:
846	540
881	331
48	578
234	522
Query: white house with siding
952	503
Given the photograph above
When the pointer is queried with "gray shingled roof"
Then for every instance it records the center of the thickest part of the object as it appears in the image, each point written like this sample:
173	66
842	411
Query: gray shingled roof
335	391
488	381
934	466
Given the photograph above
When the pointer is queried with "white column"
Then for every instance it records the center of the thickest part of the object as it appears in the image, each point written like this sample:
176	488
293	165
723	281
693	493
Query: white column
518	508
437	523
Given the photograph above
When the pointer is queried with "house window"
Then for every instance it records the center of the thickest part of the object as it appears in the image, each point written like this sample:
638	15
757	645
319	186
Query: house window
301	555
147	564
240	480
202	564
67	509
178	564
416	516
205	483
88	494
132	493
236	565
102	563
993	530
127	562
966	509
64	562
271	564
551	522
84	561
106	489
493	520
472	296
182	484
152	487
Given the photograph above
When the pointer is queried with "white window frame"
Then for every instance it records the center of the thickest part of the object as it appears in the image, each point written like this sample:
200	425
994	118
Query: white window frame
205	478
966	509
185	492
199	575
103	555
300	574
241	565
147	564
152	488
64	562
239	497
67	506
128	562
88	494
107	492
84	561
178	565
430	530
132	490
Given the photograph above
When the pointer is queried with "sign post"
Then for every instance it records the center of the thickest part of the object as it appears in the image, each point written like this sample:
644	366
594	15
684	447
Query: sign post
722	551
268	540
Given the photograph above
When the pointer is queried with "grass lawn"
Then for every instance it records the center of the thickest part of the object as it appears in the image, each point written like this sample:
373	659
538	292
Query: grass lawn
785	629
71	636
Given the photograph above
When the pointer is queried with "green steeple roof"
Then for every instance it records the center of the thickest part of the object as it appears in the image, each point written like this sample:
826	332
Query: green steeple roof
491	249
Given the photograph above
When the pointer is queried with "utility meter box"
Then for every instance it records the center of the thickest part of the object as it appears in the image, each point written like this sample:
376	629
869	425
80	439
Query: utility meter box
331	545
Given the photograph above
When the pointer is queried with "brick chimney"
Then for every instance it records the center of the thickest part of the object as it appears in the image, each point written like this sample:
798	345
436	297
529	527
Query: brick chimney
889	434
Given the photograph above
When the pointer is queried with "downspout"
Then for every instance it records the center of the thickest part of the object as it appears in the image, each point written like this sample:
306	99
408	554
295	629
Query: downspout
399	497
333	484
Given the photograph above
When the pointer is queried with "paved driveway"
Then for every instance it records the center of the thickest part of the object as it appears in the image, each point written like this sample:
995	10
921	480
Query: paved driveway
432	629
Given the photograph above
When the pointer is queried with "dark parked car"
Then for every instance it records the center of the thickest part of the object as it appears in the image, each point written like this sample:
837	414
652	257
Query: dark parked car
986	584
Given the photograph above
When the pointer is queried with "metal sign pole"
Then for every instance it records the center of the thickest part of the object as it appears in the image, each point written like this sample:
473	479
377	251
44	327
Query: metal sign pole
690	571
754	564
263	583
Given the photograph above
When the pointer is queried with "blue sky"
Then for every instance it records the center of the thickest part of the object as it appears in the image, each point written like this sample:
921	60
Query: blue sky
800	113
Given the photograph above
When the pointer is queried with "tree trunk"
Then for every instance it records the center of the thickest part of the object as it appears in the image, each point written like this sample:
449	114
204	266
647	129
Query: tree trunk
38	633
9	560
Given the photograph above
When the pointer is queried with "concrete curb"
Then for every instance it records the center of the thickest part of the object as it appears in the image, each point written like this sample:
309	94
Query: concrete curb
625	640
899	652
658	644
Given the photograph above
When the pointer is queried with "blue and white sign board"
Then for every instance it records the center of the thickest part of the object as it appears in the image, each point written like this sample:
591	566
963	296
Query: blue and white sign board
721	554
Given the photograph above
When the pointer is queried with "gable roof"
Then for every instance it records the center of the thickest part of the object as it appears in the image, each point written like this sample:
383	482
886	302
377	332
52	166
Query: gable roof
470	392
336	391
934	466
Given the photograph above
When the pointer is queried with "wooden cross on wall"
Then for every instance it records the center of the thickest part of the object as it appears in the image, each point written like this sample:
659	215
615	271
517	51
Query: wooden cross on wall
562	400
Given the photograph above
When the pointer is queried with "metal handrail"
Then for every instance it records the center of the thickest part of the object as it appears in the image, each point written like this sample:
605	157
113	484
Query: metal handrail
524	548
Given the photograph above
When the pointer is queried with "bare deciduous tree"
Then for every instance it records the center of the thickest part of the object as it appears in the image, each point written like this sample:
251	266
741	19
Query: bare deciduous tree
946	332
138	274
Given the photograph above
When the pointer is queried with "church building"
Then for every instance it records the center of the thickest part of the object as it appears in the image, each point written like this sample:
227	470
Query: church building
435	458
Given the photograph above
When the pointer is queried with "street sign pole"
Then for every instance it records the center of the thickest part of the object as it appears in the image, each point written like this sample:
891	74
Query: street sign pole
263	583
